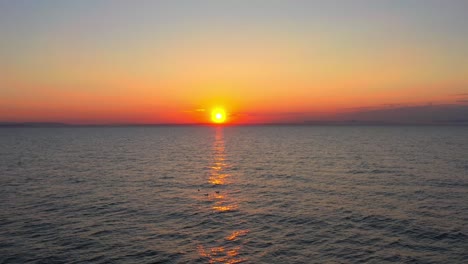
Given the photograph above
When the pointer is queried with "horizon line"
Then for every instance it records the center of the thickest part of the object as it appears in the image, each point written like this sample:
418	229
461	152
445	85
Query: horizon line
304	123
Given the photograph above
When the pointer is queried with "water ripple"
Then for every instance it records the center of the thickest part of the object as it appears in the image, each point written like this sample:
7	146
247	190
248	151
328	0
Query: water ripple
234	195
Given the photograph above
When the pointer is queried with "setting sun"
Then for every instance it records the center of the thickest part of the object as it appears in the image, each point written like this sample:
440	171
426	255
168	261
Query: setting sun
234	131
218	115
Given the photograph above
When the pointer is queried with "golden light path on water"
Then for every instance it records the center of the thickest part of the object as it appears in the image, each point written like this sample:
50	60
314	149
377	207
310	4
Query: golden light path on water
223	202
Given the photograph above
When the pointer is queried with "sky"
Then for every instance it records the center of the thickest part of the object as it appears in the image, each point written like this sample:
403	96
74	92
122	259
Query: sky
107	62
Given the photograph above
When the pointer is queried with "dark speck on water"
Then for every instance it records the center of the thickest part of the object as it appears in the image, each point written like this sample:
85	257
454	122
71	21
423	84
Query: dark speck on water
283	194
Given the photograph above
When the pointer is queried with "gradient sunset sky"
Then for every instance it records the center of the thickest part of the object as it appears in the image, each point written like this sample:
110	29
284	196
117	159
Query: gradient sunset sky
105	62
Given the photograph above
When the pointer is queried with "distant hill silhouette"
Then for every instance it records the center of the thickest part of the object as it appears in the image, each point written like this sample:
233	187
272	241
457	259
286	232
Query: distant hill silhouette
32	124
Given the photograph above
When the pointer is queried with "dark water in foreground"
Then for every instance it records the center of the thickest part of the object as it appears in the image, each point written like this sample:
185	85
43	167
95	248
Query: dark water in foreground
286	195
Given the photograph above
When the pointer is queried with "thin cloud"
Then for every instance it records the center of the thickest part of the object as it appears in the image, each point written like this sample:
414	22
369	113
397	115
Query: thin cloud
274	113
194	110
421	114
362	108
393	105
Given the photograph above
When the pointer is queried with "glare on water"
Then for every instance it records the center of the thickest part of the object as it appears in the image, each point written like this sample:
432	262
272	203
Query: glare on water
222	202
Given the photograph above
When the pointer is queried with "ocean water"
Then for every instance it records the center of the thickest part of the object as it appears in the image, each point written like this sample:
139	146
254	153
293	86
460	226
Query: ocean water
286	194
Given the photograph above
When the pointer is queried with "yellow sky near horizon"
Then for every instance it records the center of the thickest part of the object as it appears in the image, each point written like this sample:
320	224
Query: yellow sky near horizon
70	73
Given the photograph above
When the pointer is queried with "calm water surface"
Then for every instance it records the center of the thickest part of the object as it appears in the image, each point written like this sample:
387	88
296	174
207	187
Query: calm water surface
234	194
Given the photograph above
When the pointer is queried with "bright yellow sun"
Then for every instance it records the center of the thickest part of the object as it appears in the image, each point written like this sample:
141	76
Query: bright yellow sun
218	115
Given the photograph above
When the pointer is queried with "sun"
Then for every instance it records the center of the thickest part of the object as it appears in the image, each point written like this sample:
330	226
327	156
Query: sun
218	115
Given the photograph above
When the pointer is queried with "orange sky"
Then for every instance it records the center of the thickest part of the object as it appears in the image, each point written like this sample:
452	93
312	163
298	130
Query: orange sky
273	67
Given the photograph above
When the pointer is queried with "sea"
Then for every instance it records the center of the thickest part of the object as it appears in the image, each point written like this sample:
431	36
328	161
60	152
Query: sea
234	194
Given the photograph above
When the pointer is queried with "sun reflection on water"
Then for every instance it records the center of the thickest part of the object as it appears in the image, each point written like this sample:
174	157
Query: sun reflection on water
218	175
227	249
237	234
